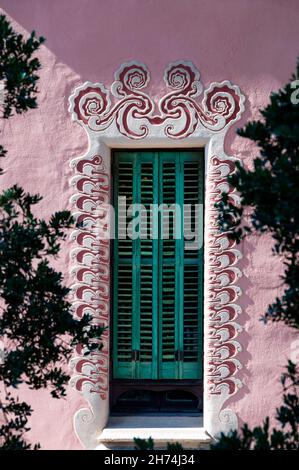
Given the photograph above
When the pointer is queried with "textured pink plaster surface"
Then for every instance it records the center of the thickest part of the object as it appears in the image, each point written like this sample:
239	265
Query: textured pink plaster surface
253	43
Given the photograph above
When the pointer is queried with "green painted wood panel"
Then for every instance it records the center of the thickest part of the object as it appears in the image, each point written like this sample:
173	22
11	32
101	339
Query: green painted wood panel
157	282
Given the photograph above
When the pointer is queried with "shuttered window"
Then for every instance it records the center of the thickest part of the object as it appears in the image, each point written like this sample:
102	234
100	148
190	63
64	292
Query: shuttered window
157	278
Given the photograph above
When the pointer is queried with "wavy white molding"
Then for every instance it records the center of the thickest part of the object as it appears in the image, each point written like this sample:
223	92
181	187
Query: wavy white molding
124	117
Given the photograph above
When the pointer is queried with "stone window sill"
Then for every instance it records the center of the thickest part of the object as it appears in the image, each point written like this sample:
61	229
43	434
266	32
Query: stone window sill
121	431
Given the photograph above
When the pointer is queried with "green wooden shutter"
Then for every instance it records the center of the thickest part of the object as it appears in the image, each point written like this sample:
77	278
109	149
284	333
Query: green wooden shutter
135	273
181	270
157	284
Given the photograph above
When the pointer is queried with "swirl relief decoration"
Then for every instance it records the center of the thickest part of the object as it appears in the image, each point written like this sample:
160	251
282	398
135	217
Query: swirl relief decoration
127	113
178	112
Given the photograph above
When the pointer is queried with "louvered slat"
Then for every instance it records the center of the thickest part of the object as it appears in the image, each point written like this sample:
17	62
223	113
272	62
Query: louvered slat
193	269
125	189
146	268
124	307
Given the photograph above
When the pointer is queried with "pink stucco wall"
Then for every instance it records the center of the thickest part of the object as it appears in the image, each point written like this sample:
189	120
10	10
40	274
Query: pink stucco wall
253	43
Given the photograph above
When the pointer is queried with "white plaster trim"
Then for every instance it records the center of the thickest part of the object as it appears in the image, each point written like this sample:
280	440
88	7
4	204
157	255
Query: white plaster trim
121	431
135	120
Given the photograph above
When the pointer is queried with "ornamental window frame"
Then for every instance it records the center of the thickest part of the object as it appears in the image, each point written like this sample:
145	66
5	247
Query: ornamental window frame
134	120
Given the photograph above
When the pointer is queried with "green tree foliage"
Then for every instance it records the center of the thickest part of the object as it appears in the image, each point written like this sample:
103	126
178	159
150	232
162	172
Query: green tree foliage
18	69
286	437
270	189
144	444
148	444
36	324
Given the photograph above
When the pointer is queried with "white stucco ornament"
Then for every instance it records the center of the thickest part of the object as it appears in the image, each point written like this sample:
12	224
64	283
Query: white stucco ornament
126	117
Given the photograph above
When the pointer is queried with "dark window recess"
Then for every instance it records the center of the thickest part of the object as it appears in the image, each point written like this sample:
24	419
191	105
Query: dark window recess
150	401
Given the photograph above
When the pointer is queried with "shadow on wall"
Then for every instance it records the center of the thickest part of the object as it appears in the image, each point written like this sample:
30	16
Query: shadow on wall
94	37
